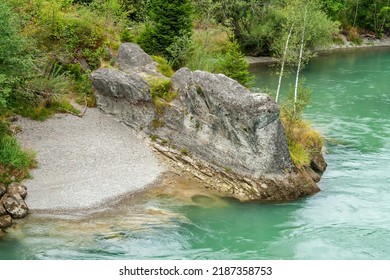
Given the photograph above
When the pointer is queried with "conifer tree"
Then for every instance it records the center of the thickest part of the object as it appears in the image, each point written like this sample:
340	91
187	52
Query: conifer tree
170	21
234	65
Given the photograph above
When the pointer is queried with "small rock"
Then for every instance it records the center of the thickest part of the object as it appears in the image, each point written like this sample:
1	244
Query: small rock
3	198
314	175
15	206
17	188
3	189
131	56
318	163
2	210
5	221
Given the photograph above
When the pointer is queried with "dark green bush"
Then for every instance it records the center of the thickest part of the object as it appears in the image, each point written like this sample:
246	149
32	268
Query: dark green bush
170	20
234	65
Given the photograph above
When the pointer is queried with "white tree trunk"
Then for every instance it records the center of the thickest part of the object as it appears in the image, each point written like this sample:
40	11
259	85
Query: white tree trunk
356	11
299	62
283	62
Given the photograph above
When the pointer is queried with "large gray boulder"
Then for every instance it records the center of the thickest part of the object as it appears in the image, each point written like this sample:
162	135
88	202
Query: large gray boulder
220	121
125	95
230	139
131	58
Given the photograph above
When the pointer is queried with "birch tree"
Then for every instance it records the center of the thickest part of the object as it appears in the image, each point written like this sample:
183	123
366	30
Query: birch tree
283	63
300	61
304	31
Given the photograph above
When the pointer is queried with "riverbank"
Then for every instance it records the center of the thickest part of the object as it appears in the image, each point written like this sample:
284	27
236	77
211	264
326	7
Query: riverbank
85	164
367	42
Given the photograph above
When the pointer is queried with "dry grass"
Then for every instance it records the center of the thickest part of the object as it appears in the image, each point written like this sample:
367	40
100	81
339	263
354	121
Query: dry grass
304	142
353	36
214	39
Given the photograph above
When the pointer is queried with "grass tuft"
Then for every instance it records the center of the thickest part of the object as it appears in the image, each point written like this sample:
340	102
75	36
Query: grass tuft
163	66
14	162
303	141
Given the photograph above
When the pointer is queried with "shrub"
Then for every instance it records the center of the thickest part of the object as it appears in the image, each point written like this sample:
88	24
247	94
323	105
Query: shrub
201	60
160	88
208	44
170	20
234	65
11	154
163	67
214	39
43	97
354	36
15	61
126	36
69	33
14	57
303	141
298	154
337	40
4	129
14	162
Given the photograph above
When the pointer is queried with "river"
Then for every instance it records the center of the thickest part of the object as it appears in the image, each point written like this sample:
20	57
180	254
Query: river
348	219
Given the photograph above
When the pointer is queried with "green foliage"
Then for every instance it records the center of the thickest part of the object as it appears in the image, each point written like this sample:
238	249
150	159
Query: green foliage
319	30
210	42
137	10
163	66
354	36
42	97
254	23
184	151
157	123
364	15
11	154
170	20
38	107
337	40
303	141
69	33
14	162
303	99
298	154
159	87
333	7
160	105
15	62
67	39
4	129
234	65
126	36
264	27
201	60
14	59
180	51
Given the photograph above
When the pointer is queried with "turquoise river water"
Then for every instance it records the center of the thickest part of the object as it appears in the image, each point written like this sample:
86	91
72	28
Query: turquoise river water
348	219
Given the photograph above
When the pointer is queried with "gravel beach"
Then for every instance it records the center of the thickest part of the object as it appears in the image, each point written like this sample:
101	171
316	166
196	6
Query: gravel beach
85	163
